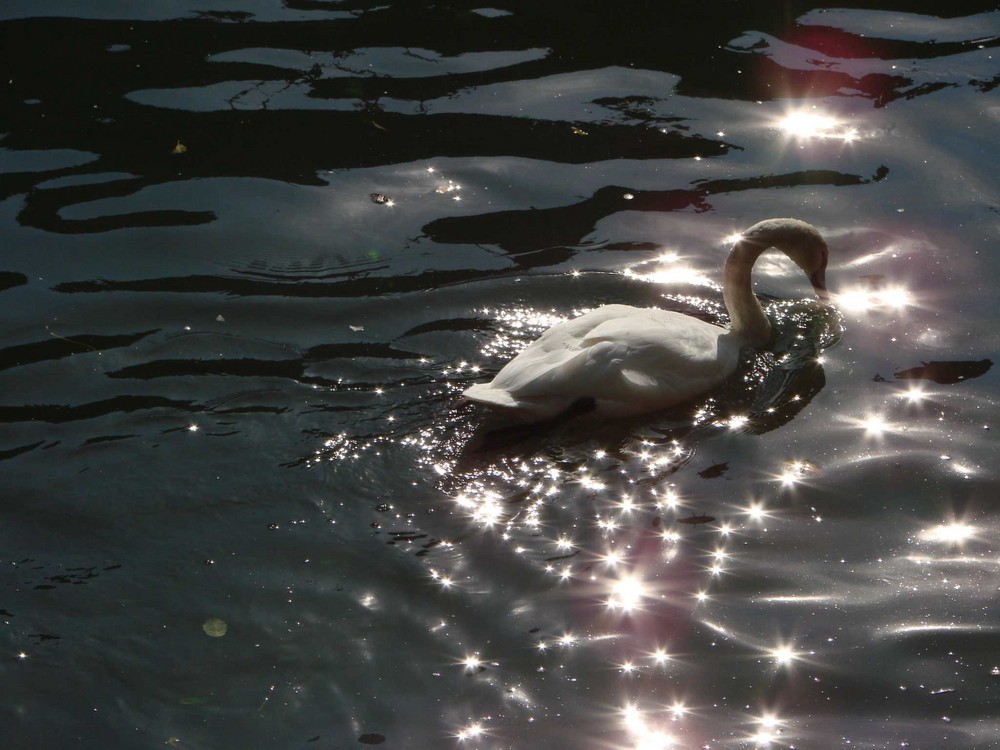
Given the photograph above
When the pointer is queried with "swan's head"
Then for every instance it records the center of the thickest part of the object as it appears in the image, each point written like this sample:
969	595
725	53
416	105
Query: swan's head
798	240
814	266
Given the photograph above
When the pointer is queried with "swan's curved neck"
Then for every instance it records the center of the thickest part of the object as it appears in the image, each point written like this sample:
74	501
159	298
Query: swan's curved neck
748	319
798	240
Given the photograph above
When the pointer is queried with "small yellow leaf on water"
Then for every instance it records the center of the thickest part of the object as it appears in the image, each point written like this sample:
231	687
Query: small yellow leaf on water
180	148
380	127
214	627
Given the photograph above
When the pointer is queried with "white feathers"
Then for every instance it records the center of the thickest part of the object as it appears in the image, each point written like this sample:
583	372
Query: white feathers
631	360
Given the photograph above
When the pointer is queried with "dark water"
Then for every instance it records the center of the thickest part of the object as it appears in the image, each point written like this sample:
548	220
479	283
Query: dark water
229	376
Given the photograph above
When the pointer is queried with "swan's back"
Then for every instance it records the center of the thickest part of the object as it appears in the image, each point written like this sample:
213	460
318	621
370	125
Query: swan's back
629	360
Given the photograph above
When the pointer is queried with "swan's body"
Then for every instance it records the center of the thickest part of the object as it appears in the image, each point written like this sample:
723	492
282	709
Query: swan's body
626	360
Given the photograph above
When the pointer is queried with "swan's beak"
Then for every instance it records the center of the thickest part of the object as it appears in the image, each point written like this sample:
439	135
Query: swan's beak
818	280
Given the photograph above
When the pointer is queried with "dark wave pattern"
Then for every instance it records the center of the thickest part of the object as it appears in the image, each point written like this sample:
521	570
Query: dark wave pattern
253	252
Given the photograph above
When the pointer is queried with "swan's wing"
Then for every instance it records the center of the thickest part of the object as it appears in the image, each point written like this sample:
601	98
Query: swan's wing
619	353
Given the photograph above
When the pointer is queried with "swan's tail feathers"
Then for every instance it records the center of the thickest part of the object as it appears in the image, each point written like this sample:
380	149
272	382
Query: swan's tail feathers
484	393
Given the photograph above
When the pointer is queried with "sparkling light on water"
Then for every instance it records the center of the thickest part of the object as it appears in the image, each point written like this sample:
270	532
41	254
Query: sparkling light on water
471	732
794	472
660	656
874	424
862	299
783	654
914	394
738	421
471	662
643	736
673	274
627	593
767	731
955	532
812	124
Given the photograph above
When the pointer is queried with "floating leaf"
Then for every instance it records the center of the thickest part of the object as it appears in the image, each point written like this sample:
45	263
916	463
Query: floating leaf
180	148
380	198
714	471
214	627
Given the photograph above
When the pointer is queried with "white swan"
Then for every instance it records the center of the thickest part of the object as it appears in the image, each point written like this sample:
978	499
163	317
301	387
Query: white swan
620	360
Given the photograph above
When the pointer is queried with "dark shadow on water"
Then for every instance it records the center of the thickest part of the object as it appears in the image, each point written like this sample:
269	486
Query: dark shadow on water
522	232
11	279
947	372
99	115
64	346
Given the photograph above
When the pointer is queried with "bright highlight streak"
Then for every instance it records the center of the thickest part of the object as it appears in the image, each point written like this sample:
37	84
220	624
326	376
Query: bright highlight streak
472	662
738	421
783	655
768	730
804	125
486	509
564	543
914	394
669	499
612	559
627	593
644	737
864	300
660	656
874	424
949	533
793	472
471	732
756	511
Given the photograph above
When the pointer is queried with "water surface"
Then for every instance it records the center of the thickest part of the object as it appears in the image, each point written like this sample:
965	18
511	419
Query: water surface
252	256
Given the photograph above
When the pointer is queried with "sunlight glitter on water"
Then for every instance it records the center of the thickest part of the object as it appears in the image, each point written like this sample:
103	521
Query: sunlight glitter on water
793	473
955	532
808	124
671	274
644	737
914	394
861	299
767	731
517	327
783	654
627	593
472	732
